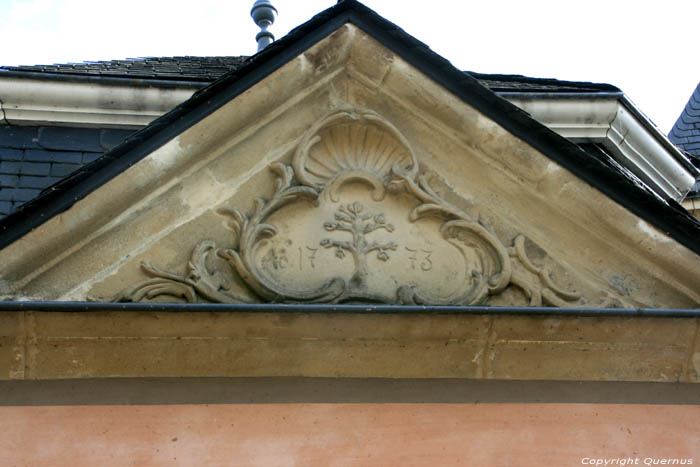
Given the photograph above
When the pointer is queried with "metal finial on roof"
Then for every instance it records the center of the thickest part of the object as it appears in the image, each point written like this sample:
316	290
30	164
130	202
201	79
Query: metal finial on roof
264	15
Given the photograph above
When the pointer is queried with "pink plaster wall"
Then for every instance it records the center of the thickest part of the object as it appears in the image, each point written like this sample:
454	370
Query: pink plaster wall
348	434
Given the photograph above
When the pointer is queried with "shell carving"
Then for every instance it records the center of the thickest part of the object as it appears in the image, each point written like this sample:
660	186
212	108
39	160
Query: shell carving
352	145
355	145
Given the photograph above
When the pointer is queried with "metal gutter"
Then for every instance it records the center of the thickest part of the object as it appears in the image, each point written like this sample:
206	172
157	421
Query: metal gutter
73	307
661	138
612	120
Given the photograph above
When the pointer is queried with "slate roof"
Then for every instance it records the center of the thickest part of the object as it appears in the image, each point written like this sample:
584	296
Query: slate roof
34	158
209	69
686	134
600	172
517	83
205	69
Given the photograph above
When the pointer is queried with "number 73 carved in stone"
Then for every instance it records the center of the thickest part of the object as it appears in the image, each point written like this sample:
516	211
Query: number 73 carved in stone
354	219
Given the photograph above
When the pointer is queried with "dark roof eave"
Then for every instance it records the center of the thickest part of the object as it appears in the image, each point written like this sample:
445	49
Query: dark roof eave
613	95
672	220
103	80
543	83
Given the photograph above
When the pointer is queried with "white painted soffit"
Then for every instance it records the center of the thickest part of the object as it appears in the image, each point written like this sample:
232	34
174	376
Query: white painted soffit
87	104
621	128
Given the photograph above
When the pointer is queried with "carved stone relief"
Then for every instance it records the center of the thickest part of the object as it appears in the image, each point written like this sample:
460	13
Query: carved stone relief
353	219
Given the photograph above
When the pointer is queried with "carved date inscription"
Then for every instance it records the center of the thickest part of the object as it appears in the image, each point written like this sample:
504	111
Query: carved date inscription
420	259
275	259
311	256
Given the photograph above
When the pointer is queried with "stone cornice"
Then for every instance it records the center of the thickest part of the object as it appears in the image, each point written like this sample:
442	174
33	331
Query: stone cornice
100	344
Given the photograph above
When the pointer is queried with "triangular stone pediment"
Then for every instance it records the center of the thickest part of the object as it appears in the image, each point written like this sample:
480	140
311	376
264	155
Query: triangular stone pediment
347	176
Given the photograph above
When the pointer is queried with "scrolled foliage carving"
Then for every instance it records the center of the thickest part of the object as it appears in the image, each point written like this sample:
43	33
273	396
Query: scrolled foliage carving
351	146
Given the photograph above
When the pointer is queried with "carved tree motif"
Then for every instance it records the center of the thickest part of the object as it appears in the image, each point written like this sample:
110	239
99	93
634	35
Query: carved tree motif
353	218
354	145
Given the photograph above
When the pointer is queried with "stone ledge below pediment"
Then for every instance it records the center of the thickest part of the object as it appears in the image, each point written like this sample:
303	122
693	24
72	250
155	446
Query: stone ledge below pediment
488	345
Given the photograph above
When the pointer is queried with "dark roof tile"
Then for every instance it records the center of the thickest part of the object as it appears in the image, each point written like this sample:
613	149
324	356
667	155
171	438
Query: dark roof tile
18	137
35	168
692	146
27	181
90	156
686	132
8	181
692	112
689	120
5	207
42	155
682	124
63	170
110	138
24	194
10	167
9	154
70	139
